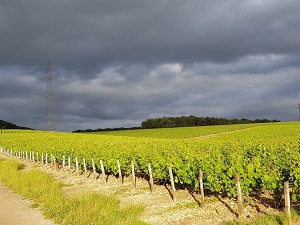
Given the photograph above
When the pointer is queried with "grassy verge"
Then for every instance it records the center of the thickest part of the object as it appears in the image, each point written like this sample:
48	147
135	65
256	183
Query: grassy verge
45	192
279	219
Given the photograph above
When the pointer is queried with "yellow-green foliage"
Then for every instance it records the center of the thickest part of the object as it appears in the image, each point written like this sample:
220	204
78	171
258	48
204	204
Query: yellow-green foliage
45	191
262	154
178	132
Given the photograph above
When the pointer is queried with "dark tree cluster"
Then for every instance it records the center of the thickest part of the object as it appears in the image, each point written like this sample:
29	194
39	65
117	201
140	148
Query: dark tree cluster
183	121
188	121
106	129
7	125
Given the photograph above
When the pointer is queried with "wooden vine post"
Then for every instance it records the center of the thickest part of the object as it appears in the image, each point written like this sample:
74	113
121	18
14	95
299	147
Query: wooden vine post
239	195
84	165
150	178
63	162
94	168
77	166
133	176
103	171
120	172
55	163
69	164
172	182
287	202
201	187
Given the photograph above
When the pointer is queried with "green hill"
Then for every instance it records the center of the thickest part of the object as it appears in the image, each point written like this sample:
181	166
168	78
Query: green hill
8	125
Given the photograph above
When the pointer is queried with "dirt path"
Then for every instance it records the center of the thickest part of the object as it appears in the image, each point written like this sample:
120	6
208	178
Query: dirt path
14	210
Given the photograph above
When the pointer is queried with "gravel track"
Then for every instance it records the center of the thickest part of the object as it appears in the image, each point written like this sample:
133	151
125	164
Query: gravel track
14	210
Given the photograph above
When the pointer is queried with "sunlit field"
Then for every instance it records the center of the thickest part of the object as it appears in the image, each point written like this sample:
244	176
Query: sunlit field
261	154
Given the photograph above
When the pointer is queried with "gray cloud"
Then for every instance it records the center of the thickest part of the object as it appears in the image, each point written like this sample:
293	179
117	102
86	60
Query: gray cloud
118	63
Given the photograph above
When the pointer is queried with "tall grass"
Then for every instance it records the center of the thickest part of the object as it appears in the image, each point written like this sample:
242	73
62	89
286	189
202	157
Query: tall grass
264	220
45	191
279	219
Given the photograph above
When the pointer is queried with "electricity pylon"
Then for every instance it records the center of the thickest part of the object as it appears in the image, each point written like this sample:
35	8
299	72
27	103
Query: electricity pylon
50	120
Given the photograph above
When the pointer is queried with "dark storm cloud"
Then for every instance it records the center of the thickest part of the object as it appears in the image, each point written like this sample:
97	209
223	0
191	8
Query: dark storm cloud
116	63
84	35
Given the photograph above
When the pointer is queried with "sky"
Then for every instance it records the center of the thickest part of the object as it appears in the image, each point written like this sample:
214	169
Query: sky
117	63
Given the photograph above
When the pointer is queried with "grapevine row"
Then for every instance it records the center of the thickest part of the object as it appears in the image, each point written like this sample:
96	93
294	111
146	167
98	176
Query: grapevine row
263	156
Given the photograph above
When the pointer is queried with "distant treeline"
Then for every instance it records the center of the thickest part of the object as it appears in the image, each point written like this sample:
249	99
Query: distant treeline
106	129
7	125
188	121
183	121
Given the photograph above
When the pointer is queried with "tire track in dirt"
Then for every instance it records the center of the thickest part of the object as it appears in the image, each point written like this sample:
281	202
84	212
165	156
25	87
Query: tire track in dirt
217	134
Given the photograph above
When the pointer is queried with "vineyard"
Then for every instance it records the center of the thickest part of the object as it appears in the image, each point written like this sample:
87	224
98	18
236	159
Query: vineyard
263	155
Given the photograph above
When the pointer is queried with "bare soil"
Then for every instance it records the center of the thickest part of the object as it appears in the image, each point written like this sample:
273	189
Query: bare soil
14	210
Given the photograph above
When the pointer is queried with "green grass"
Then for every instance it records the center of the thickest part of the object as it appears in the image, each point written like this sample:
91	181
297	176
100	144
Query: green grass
279	219
263	220
45	192
184	206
